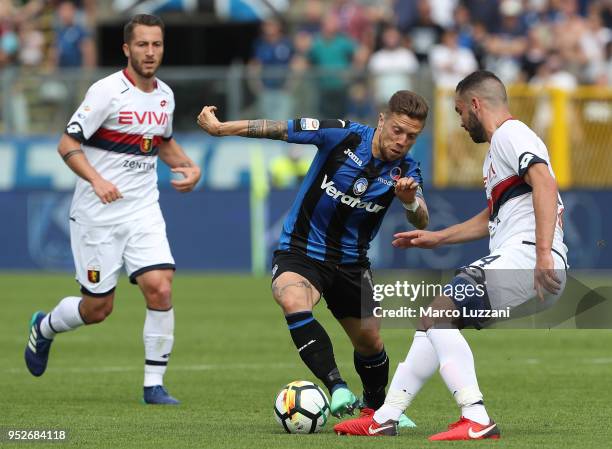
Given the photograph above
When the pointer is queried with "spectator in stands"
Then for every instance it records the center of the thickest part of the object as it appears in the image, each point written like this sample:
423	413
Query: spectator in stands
485	12
424	33
537	13
449	62
308	27
442	12
13	107
74	46
272	53
593	43
568	31
553	74
507	45
406	14
31	45
464	26
479	43
9	42
470	34
354	21
332	52
391	67
310	20
535	55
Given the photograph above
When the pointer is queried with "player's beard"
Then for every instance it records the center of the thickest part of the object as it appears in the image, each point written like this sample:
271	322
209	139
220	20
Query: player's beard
475	129
138	67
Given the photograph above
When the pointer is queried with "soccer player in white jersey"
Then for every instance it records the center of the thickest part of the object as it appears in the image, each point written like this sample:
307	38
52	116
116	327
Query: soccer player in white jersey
527	262
112	143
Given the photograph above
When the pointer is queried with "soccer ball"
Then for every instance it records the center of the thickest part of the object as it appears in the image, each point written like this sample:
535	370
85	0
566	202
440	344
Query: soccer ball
301	407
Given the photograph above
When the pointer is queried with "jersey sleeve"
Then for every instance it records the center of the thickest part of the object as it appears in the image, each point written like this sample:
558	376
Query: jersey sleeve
325	134
520	151
414	172
90	115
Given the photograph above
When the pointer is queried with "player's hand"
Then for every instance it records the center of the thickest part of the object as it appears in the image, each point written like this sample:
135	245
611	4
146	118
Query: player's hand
106	191
406	190
208	121
417	239
191	178
544	276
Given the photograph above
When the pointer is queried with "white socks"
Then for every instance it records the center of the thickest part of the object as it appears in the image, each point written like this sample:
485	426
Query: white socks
65	317
158	336
448	349
420	364
458	372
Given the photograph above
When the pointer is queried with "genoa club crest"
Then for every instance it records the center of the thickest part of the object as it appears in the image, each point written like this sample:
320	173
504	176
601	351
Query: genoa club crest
93	274
146	144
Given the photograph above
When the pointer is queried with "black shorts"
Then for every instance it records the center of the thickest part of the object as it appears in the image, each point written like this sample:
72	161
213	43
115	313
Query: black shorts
347	289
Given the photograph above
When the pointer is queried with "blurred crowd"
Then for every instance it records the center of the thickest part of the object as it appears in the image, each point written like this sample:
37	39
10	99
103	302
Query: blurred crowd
47	33
346	57
381	45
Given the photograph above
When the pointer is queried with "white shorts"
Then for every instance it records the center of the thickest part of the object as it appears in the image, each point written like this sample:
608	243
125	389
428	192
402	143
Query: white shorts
509	276
101	251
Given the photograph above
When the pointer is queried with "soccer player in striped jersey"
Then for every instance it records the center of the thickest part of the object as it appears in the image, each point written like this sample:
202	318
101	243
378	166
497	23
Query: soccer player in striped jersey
527	262
112	143
357	172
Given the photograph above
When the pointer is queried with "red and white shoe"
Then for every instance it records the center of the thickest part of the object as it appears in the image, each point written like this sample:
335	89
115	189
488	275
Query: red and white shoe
366	411
466	429
366	426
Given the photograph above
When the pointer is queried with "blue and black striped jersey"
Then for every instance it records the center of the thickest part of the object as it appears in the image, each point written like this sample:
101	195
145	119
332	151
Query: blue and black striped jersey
345	194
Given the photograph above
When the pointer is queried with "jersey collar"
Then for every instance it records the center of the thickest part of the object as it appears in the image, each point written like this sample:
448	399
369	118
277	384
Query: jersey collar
131	80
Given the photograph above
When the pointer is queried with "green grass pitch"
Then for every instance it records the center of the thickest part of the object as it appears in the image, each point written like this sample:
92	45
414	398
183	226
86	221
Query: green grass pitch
233	353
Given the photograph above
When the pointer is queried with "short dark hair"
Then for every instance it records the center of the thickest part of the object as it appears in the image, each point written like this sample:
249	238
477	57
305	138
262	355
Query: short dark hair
141	19
478	81
408	103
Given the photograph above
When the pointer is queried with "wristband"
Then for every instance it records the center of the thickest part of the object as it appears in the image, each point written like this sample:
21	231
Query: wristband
412	207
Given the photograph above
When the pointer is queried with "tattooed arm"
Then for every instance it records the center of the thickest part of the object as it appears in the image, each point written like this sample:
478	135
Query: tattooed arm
267	129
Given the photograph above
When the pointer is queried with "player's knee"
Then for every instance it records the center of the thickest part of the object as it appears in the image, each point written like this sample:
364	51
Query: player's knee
293	297
368	342
96	312
159	295
291	303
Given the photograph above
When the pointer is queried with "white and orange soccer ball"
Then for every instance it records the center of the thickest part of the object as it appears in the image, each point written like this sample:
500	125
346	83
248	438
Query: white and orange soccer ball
301	407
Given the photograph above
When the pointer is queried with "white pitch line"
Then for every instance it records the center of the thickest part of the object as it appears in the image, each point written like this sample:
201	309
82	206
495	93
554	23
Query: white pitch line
241	366
531	361
203	367
600	361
